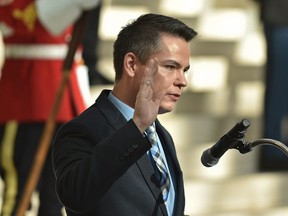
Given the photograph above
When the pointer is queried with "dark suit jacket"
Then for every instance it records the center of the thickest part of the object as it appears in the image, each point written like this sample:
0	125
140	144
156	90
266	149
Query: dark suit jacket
102	168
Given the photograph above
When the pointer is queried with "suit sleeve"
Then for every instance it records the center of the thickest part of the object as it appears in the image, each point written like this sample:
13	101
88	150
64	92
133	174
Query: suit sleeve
85	167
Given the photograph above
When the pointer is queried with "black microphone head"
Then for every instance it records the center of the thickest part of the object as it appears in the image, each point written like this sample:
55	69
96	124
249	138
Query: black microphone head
208	160
239	130
246	123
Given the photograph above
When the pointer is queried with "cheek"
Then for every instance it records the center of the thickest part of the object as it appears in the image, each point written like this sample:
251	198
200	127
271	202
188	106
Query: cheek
163	81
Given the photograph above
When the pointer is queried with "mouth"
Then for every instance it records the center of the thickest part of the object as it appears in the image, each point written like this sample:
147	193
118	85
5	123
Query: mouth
174	96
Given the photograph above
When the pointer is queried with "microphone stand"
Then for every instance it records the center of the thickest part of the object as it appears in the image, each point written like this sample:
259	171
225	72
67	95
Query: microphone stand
245	147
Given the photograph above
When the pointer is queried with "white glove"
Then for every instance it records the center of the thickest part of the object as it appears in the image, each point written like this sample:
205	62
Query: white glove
87	4
57	15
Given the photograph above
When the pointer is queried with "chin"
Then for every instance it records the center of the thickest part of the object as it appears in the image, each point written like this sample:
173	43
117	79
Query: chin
163	110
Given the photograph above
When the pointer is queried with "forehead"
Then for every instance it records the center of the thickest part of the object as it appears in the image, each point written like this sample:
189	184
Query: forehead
175	48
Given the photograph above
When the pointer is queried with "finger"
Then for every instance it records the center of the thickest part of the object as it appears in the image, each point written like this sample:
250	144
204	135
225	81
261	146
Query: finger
147	79
149	73
152	68
147	88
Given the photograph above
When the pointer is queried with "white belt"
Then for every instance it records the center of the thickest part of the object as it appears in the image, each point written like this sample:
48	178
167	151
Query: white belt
42	51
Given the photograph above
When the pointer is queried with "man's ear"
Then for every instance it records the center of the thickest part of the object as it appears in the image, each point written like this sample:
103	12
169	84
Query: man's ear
130	64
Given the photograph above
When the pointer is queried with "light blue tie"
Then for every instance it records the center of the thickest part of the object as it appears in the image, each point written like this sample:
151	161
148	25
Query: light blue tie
155	152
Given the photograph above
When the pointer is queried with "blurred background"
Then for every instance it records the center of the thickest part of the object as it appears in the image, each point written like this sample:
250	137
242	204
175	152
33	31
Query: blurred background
226	85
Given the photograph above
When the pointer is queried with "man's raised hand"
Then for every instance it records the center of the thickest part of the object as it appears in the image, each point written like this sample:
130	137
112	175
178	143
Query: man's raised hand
149	96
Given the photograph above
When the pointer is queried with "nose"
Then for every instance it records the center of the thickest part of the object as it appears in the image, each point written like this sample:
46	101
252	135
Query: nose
180	80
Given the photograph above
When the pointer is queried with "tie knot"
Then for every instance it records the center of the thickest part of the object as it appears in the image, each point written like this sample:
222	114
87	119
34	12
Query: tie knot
151	129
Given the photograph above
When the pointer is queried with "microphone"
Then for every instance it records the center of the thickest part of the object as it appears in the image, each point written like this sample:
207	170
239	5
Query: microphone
231	139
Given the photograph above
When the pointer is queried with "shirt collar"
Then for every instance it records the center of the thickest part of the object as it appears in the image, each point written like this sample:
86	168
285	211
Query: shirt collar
126	110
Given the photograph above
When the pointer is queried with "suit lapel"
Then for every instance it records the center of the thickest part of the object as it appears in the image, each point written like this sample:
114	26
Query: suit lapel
168	145
111	113
170	151
148	173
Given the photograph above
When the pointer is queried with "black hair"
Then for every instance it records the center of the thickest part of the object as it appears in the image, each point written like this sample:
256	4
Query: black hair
142	37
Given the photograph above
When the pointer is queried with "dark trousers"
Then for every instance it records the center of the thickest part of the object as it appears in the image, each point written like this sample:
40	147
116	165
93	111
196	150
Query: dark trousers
19	143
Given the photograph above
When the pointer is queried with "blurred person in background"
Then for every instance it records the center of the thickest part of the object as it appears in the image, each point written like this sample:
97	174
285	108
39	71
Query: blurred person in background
35	35
90	44
274	17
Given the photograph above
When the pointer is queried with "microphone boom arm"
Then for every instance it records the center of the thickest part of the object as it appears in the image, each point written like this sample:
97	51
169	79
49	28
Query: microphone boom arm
248	146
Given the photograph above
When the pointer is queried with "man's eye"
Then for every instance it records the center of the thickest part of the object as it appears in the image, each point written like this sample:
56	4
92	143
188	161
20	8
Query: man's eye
170	67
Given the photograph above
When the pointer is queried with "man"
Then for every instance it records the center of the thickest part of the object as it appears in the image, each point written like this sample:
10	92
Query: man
103	160
35	36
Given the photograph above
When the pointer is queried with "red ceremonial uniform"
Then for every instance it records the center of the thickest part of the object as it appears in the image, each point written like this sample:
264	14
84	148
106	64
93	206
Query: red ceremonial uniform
32	70
31	76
